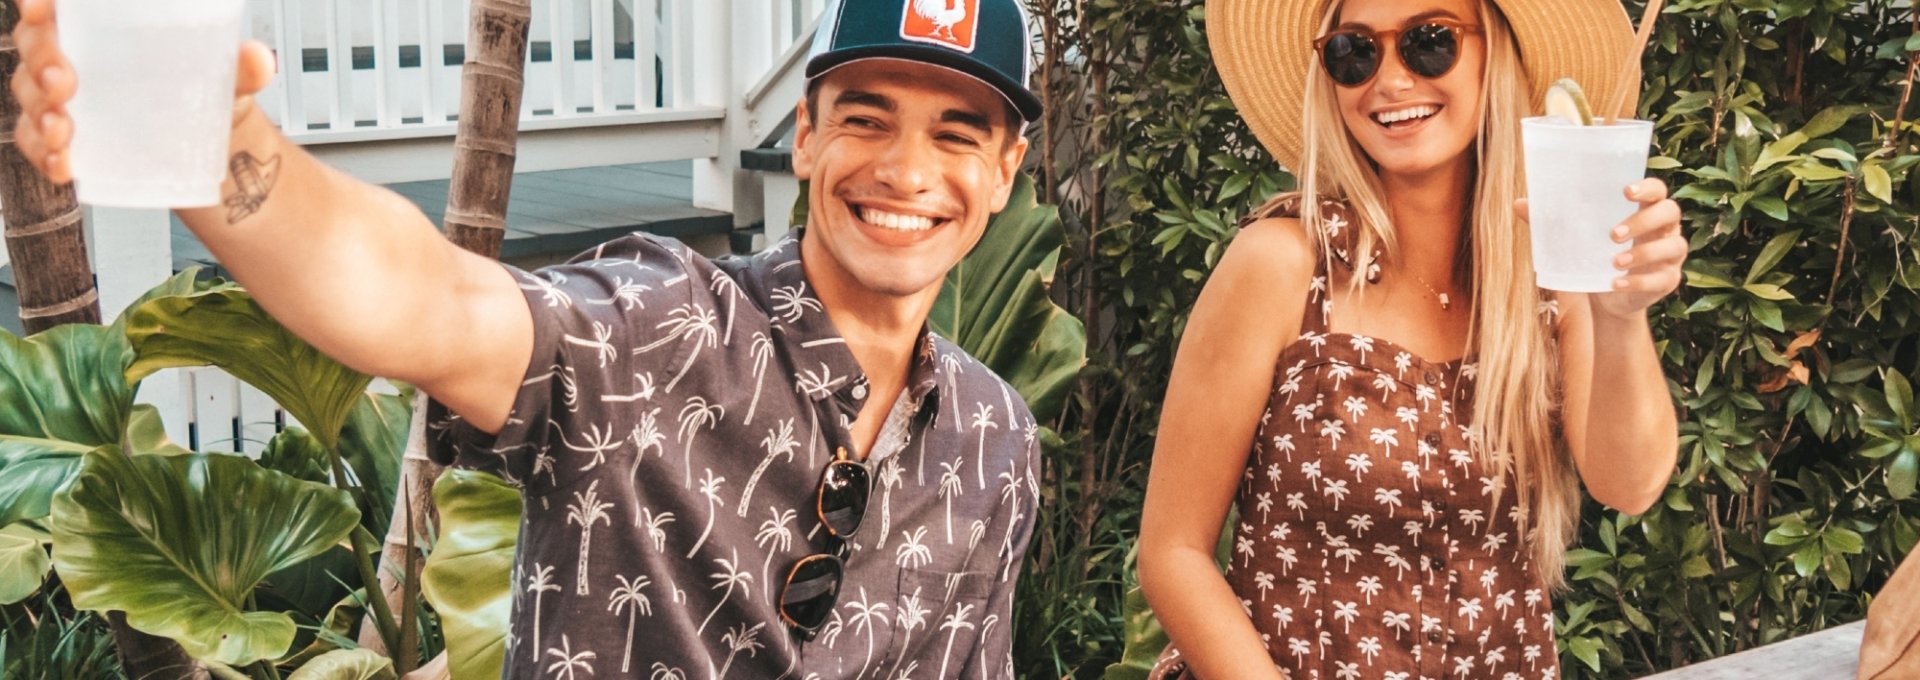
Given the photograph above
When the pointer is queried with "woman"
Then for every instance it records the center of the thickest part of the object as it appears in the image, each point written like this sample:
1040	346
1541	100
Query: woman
1402	418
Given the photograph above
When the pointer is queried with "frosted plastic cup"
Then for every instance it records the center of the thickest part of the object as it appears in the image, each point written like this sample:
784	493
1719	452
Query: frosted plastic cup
155	104
1577	177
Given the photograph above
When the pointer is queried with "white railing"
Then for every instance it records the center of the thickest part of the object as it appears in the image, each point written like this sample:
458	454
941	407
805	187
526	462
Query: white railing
354	70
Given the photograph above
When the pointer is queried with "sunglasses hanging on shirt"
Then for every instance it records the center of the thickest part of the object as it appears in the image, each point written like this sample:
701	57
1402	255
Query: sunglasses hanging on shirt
1352	56
813	584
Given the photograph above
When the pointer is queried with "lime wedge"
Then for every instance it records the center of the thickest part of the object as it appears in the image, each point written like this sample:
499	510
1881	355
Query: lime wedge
1564	99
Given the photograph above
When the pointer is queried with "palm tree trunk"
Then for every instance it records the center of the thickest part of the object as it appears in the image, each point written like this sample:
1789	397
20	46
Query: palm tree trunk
44	235
492	83
48	247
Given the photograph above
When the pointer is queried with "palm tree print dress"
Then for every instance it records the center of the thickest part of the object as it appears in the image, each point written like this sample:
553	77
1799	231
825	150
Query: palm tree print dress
1370	544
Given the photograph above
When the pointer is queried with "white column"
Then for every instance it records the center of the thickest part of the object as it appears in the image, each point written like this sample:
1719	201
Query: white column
737	51
133	252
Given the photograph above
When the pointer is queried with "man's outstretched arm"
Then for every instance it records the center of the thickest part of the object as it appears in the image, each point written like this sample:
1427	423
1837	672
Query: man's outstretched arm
351	267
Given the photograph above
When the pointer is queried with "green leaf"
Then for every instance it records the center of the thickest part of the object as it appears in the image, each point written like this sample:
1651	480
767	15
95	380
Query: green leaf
225	328
1587	650
1902	473
469	577
1899	397
995	305
65	384
1771	255
23	561
1770	206
295	453
1842	540
179	542
1662	163
344	664
1767	291
1811	171
1877	182
372	443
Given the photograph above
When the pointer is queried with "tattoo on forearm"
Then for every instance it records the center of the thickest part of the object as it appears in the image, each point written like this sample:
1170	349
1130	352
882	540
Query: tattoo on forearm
253	179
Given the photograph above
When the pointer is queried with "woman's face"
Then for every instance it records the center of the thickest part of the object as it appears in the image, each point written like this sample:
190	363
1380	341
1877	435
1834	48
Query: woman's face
1411	124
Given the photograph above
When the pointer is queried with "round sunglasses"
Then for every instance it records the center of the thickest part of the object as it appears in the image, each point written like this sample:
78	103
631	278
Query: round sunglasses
813	584
1429	49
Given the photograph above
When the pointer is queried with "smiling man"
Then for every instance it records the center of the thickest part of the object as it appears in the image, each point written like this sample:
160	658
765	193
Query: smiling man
758	467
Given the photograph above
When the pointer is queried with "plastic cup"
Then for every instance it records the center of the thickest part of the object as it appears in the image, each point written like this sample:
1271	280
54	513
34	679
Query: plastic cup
155	103
1577	176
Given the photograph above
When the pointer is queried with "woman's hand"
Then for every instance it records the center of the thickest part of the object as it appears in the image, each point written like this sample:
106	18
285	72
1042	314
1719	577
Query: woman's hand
1651	268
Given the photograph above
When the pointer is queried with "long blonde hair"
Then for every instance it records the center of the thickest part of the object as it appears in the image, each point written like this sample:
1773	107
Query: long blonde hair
1518	382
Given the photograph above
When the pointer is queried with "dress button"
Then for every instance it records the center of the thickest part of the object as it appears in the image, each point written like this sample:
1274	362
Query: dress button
1433	439
859	391
1433	378
1433	636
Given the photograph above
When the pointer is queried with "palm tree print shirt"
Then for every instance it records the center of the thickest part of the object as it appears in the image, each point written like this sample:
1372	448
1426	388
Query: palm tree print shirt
668	441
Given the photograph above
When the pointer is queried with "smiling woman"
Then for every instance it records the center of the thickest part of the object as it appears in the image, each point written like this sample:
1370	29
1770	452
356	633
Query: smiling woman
1369	429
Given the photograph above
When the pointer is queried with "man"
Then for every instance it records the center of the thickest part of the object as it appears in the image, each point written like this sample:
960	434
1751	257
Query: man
764	467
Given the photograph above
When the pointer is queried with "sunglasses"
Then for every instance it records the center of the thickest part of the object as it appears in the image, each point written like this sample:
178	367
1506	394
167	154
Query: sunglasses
813	584
1429	48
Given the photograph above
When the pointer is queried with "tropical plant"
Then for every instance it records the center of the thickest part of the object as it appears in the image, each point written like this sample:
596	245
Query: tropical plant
189	545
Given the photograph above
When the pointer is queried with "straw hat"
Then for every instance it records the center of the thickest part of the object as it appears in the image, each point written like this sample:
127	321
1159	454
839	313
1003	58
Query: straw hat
1263	49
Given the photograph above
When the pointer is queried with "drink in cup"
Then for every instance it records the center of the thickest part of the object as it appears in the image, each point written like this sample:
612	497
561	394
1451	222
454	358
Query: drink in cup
155	99
1577	175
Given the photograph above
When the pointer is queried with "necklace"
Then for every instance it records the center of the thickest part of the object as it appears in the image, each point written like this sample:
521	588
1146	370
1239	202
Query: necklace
1446	304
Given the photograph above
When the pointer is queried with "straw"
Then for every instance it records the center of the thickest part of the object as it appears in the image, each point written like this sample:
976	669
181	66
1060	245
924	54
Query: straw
1624	83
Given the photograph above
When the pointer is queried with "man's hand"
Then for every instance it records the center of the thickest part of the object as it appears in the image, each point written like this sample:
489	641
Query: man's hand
45	83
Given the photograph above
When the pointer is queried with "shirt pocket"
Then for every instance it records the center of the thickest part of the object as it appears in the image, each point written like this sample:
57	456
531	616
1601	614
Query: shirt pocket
939	616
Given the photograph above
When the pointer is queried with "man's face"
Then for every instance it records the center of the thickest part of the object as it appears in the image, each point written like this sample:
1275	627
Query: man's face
906	162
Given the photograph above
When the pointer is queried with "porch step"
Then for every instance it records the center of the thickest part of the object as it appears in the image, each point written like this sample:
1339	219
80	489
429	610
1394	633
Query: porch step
558	213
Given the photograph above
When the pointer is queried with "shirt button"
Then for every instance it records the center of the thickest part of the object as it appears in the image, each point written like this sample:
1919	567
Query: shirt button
1433	636
1433	439
1433	378
859	391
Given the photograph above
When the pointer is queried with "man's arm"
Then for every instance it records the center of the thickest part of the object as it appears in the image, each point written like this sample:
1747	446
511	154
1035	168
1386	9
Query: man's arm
361	273
350	267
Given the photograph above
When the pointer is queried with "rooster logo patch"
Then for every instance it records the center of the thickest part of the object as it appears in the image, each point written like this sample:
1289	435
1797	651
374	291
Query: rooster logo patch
951	23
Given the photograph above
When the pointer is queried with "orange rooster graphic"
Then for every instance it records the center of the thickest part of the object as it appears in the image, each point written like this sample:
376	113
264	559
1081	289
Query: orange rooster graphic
948	22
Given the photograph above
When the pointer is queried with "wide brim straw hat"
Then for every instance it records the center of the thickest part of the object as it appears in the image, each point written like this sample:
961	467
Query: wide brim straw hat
1264	52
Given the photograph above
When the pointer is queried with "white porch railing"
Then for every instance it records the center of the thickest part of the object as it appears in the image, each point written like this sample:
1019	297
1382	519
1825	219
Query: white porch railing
363	82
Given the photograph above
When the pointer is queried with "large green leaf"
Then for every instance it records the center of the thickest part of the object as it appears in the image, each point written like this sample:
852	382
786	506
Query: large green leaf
66	384
995	305
344	664
32	470
468	578
225	328
23	561
371	444
179	542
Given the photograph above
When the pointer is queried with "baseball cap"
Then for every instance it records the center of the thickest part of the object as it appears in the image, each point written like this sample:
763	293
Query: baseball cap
986	39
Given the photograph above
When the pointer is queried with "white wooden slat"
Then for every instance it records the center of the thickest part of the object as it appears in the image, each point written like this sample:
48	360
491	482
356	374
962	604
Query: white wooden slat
257	423
786	15
287	46
603	66
339	37
682	65
562	54
386	63
646	16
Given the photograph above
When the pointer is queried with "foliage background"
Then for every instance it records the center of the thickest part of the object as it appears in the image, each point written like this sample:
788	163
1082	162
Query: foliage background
1781	130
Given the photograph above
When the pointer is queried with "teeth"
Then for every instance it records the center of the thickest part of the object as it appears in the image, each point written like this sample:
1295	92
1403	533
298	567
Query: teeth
1391	117
894	221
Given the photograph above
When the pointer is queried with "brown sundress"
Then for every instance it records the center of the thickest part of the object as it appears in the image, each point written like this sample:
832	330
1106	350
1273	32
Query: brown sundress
1369	543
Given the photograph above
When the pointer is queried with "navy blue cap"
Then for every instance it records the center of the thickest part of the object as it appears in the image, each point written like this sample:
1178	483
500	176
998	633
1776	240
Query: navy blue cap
986	39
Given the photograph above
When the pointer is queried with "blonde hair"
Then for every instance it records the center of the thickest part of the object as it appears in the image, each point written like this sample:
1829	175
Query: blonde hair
1515	402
